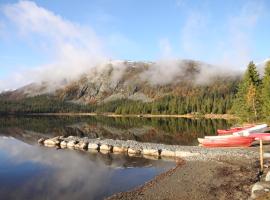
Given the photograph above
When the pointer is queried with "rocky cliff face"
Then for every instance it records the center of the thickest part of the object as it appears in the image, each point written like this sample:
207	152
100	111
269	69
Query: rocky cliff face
145	81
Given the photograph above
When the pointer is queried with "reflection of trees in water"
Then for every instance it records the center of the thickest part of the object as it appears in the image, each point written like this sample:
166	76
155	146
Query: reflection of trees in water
161	130
35	172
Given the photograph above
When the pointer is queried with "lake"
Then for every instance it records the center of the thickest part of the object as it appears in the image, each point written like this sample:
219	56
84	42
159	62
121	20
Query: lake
30	171
179	131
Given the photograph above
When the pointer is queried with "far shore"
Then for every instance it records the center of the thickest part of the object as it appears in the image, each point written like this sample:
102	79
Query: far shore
190	116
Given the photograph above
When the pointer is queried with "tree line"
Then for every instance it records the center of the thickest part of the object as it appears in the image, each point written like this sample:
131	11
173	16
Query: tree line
252	101
40	104
247	97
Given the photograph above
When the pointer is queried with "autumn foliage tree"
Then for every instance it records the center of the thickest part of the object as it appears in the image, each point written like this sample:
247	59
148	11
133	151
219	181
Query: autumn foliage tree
247	103
265	93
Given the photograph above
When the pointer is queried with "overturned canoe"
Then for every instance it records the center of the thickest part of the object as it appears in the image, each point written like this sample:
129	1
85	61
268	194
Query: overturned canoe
252	130
259	135
238	141
233	130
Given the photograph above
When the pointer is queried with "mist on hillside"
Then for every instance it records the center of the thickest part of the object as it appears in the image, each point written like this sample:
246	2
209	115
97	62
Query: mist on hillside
75	50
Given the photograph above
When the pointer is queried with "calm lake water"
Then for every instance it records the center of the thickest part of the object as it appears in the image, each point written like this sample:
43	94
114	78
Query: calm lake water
29	171
34	172
157	130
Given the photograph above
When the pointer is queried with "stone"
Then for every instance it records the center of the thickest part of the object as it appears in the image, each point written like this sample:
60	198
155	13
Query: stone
93	146
150	152
266	155
105	147
167	153
71	144
82	145
120	149
259	189
267	177
41	141
183	154
132	151
63	144
49	142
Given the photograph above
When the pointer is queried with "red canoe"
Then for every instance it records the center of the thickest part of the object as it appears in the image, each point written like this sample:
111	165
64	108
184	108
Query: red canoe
232	130
240	141
260	135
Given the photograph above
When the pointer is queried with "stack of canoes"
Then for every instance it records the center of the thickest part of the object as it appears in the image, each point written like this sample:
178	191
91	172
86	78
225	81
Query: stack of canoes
236	137
233	130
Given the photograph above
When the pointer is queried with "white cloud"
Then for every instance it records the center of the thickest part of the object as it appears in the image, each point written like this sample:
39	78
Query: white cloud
73	48
229	43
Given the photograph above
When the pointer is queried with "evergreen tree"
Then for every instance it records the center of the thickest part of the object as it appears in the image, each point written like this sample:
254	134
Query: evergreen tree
247	102
265	94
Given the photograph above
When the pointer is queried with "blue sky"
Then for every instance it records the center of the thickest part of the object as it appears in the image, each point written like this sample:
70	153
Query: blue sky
230	32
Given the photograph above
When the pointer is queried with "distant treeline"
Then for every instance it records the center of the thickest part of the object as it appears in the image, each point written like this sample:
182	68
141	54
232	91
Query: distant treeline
248	98
40	104
204	100
217	98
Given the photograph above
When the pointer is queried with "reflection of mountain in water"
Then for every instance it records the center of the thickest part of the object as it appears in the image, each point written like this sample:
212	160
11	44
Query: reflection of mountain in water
159	130
31	172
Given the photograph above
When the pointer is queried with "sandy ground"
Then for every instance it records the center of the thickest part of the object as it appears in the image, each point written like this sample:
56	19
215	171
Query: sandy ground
226	178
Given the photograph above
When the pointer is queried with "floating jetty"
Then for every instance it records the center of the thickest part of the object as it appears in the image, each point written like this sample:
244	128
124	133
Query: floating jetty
148	150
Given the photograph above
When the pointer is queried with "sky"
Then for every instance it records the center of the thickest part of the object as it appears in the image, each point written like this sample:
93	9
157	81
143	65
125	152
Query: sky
48	39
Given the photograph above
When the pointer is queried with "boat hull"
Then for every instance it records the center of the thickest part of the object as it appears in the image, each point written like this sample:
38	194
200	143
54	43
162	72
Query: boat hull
240	141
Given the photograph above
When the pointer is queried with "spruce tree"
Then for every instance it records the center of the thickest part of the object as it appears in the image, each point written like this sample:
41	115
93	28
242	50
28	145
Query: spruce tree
265	94
247	102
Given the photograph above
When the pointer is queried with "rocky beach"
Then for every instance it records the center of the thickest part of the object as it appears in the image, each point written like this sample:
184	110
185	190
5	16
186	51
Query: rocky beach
200	173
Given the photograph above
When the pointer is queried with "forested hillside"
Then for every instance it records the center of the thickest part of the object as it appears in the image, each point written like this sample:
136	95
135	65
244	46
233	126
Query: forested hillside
247	96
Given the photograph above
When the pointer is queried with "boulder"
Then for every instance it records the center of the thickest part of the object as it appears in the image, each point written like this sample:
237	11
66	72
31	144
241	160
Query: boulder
63	144
167	153
50	142
119	149
105	147
71	144
93	146
81	145
41	141
267	177
150	152
259	189
133	151
266	155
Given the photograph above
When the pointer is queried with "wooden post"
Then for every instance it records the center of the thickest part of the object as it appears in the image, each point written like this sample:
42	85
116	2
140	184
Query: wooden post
261	155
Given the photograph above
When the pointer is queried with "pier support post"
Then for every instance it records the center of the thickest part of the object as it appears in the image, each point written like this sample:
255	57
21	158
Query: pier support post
261	155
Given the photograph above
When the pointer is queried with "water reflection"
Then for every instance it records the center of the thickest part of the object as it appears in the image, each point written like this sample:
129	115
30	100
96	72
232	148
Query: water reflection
159	130
34	172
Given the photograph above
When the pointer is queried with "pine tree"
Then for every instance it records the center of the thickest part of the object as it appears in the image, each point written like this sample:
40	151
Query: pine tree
247	102
265	94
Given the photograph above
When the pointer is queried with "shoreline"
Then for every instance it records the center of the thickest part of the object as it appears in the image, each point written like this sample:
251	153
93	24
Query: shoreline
211	179
189	116
200	173
153	150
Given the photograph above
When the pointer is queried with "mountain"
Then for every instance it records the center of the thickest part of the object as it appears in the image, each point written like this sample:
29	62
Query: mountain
142	82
